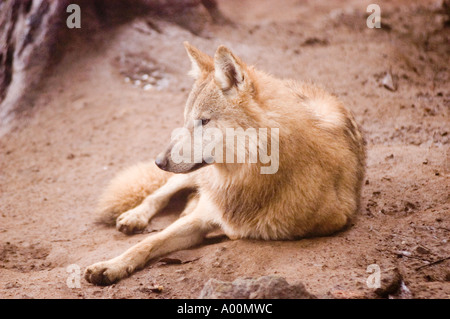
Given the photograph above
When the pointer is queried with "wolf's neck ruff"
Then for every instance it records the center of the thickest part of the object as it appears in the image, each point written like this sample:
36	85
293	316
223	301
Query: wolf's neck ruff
252	145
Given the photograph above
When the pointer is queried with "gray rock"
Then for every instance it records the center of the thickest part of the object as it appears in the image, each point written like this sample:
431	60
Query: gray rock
422	250
266	287
389	82
29	33
391	281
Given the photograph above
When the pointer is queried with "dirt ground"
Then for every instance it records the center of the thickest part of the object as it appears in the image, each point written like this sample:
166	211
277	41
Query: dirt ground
92	119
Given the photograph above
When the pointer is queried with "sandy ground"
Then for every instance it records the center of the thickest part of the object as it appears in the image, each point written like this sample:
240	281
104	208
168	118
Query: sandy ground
88	123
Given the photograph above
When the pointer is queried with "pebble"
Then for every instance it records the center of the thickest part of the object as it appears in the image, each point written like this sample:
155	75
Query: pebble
391	281
388	82
422	250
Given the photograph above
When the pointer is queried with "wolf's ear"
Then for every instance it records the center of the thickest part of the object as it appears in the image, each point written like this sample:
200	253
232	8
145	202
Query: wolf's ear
229	71
201	62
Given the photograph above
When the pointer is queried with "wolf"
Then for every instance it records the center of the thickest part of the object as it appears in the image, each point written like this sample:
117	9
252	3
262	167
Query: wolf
315	191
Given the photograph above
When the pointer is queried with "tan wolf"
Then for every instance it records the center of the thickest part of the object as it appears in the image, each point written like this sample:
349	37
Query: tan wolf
314	192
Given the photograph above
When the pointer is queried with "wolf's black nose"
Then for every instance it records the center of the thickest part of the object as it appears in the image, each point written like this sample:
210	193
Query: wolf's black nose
161	161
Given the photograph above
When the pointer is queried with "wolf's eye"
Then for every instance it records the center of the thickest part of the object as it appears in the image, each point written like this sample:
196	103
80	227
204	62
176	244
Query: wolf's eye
205	121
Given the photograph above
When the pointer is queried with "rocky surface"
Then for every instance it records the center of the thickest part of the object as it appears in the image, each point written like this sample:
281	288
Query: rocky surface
29	33
34	35
266	287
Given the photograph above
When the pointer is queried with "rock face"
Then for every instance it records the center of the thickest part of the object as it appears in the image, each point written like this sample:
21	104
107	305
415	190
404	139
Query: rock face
31	31
266	287
28	32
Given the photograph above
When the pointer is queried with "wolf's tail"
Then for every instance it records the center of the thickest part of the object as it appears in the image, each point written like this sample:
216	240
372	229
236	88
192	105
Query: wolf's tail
128	189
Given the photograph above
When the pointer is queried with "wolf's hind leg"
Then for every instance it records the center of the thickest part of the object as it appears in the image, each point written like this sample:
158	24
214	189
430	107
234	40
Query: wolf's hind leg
185	232
137	219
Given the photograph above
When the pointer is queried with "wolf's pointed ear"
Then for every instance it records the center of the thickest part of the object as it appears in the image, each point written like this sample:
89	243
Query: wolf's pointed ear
201	62
229	71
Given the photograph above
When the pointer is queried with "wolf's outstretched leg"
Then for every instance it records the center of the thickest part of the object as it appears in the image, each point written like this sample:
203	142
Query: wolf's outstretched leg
183	233
137	219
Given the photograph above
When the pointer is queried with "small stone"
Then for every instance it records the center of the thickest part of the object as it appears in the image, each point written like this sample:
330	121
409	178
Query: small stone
157	288
402	253
422	250
447	276
391	281
154	288
389	83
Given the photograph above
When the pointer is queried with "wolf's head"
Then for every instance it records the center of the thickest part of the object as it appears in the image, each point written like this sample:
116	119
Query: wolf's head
223	97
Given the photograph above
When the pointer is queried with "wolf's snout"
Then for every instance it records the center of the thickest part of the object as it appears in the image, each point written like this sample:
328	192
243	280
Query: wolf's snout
161	161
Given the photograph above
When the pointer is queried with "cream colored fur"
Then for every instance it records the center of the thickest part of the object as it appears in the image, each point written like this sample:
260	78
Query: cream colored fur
315	191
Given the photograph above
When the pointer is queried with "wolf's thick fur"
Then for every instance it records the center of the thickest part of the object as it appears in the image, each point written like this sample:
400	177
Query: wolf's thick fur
315	191
128	189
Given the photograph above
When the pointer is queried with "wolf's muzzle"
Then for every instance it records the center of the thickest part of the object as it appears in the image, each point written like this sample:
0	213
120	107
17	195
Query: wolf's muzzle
162	161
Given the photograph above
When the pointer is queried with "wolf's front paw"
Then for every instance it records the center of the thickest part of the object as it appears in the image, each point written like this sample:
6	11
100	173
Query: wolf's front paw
131	221
106	272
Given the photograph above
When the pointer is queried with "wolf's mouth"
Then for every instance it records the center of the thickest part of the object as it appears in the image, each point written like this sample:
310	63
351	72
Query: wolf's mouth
197	166
182	169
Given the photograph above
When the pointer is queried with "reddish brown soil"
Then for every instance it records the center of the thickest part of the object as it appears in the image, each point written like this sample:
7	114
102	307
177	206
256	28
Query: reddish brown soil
88	123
